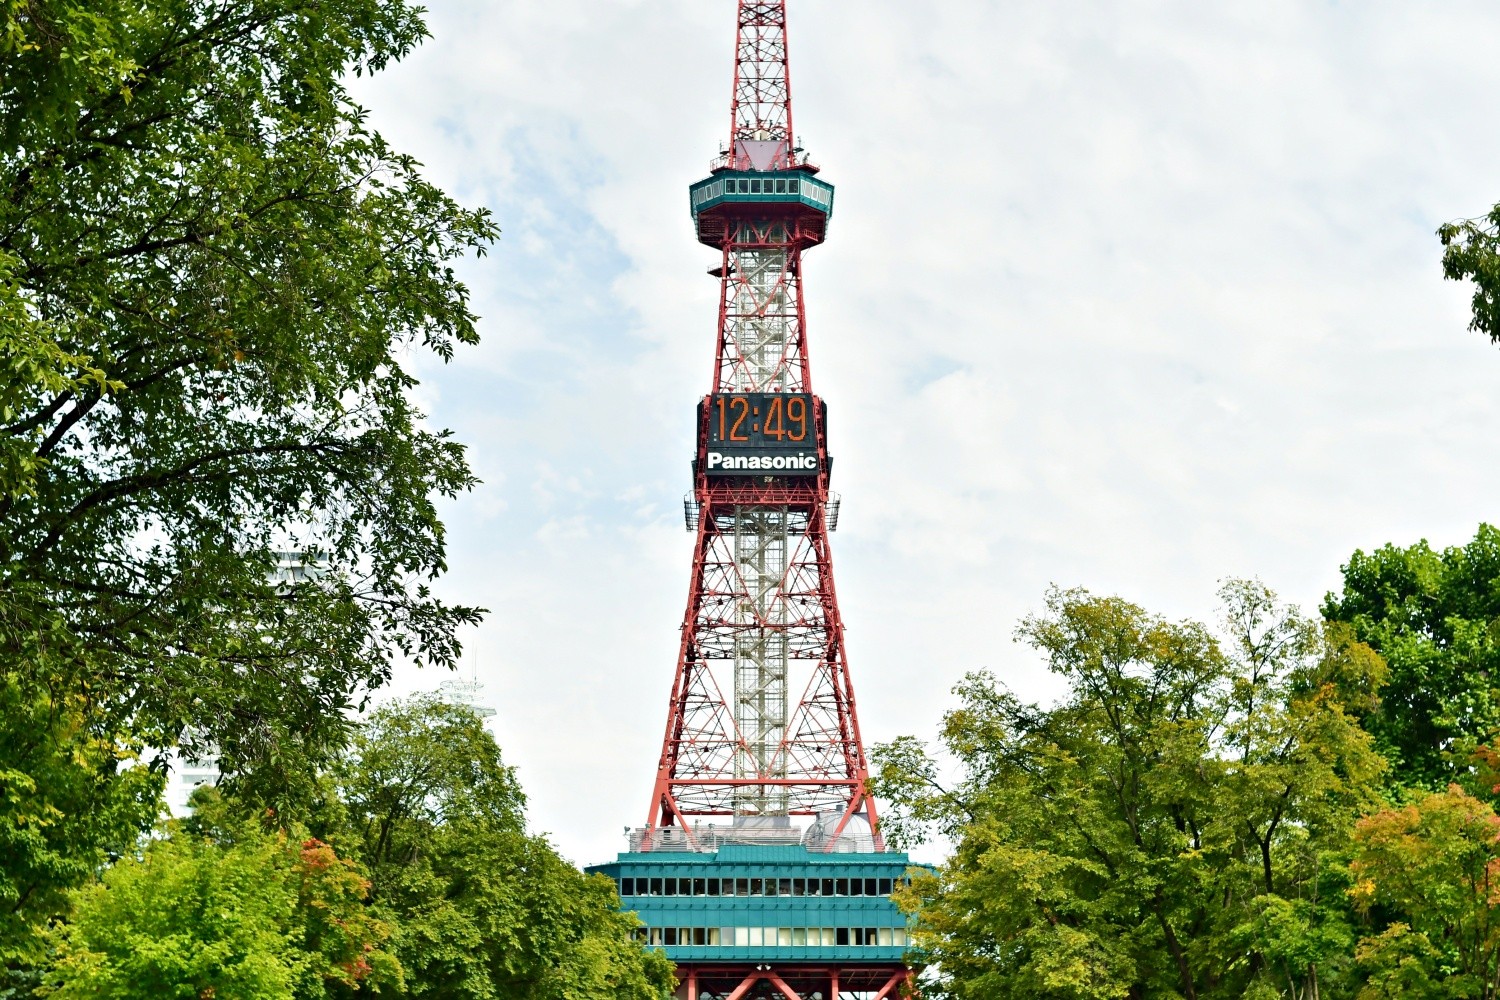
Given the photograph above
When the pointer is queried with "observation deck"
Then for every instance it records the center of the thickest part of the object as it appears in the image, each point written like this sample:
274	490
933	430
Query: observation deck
768	906
793	196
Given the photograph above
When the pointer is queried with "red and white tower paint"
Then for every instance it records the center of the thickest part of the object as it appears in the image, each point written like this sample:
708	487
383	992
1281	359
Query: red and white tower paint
761	725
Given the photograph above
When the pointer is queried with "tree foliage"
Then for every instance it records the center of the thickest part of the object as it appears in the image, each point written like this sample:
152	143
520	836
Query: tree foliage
1433	866
213	276
236	913
1471	252
1171	828
482	908
71	795
418	876
1435	618
211	272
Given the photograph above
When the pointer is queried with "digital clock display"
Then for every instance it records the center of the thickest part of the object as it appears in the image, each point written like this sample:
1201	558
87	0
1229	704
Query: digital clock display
761	433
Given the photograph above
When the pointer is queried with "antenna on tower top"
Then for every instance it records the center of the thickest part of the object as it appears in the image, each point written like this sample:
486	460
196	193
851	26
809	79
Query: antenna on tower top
760	116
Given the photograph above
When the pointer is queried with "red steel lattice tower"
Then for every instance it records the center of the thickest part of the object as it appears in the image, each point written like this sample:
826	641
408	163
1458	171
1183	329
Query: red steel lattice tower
761	725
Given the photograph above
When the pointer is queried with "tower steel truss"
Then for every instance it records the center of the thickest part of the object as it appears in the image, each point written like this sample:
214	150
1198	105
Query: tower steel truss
761	723
760	869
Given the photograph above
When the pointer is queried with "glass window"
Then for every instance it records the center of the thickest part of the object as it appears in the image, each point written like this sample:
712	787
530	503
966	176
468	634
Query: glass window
799	887
870	887
885	887
841	887
669	935
770	887
656	935
741	936
742	887
830	937
781	187
783	936
756	888
755	937
856	887
700	887
885	937
700	935
799	936
828	887
755	185
786	887
656	887
898	937
870	936
670	885
841	936
713	887
714	935
627	887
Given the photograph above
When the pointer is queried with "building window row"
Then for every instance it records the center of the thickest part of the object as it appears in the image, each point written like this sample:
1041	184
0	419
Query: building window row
756	185
761	937
756	886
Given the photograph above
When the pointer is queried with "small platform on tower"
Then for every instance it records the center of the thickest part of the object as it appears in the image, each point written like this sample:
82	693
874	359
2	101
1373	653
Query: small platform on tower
794	197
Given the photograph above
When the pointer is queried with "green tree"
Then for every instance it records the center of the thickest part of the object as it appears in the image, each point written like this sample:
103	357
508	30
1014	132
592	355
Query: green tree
241	914
482	908
71	795
1471	252
1435	618
212	276
196	213
1433	868
1172	827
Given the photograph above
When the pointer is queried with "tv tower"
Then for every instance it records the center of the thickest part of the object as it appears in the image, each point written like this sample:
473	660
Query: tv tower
760	868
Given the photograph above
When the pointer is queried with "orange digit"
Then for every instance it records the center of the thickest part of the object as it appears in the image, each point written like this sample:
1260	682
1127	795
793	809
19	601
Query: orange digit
796	412
773	413
744	407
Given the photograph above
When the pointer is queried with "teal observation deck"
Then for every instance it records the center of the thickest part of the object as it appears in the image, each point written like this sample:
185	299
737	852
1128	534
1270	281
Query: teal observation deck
764	904
794	200
750	187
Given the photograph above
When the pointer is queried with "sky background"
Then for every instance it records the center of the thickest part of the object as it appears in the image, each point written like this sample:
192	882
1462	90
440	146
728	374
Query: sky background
1133	297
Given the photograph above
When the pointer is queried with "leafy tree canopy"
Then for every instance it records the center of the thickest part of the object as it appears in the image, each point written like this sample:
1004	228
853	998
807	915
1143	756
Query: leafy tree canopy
1435	618
417	876
482	908
213	276
1472	253
1170	828
224	910
1433	868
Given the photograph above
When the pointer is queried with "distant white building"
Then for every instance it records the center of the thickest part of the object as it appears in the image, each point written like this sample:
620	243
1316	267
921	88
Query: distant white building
183	776
467	693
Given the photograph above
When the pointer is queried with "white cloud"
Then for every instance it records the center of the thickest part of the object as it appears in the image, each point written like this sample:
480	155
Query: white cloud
1127	296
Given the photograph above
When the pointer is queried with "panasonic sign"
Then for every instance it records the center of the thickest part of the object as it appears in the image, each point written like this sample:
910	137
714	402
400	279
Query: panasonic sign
725	463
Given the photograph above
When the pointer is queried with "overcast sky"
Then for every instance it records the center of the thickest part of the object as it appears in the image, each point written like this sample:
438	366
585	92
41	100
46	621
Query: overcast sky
1128	296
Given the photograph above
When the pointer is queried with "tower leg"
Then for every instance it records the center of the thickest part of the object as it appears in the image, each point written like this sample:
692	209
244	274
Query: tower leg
833	987
781	985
